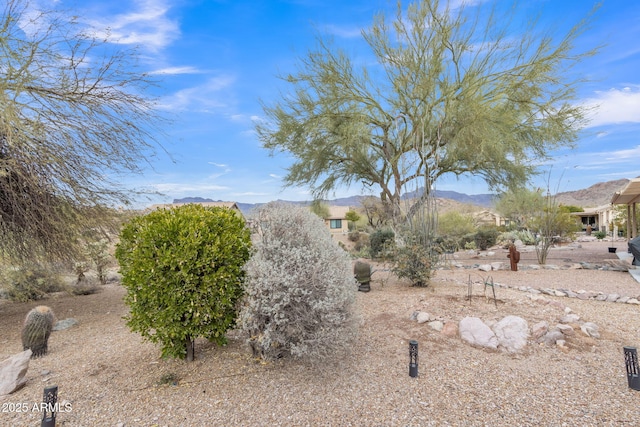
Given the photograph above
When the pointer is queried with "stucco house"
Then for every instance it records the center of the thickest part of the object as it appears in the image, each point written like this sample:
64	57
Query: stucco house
488	218
336	222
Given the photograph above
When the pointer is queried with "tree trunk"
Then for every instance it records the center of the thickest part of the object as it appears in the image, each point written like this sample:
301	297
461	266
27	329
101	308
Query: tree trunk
189	344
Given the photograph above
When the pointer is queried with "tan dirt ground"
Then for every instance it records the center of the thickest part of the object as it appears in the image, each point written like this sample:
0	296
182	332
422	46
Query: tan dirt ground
109	377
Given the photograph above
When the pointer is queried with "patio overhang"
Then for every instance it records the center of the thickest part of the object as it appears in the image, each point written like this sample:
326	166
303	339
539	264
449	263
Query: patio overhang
629	194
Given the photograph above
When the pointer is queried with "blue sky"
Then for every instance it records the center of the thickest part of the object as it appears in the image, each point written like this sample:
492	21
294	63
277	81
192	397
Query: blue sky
216	59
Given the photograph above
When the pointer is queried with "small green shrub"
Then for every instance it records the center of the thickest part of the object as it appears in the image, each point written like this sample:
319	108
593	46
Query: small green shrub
526	237
413	262
300	290
98	252
362	244
382	242
182	269
468	241
600	235
485	238
30	283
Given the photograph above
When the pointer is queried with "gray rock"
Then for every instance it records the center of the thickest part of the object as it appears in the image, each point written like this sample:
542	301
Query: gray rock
13	371
590	329
475	332
623	299
601	297
566	329
539	329
512	333
61	325
423	317
497	266
612	297
569	318
633	301
436	325
484	267
551	337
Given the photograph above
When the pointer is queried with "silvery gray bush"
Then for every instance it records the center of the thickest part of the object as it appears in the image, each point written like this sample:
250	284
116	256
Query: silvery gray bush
299	287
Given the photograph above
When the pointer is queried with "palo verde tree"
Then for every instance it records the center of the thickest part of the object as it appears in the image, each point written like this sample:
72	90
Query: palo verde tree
520	205
452	91
539	213
74	112
183	271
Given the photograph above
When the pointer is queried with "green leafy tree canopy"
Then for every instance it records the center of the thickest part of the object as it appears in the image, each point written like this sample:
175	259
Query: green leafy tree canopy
450	92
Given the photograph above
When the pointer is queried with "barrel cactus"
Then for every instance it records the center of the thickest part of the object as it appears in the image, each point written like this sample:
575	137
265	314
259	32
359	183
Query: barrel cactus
36	330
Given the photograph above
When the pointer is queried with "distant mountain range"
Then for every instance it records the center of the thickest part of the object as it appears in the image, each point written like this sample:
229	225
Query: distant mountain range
597	195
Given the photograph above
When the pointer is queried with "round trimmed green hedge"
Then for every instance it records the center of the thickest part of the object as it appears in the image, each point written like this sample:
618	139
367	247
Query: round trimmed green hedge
183	271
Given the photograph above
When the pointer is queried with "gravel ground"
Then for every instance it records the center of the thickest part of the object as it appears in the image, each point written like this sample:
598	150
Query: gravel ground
108	377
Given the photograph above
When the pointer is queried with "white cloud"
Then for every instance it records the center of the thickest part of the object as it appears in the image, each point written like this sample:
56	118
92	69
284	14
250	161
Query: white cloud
220	165
146	24
176	70
343	32
614	106
623	155
274	176
607	159
209	96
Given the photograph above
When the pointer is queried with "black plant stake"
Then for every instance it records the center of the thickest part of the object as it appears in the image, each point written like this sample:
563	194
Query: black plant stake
49	406
633	374
413	358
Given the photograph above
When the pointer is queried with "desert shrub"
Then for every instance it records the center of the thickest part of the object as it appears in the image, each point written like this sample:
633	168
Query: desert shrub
468	241
183	271
362	243
415	263
485	238
600	235
526	237
354	236
300	290
455	225
30	283
446	244
382	242
98	253
506	238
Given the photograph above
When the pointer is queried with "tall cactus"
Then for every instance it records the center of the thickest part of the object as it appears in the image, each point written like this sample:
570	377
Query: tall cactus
36	330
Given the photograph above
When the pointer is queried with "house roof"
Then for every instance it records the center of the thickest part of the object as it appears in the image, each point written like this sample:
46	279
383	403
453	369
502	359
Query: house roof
629	194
